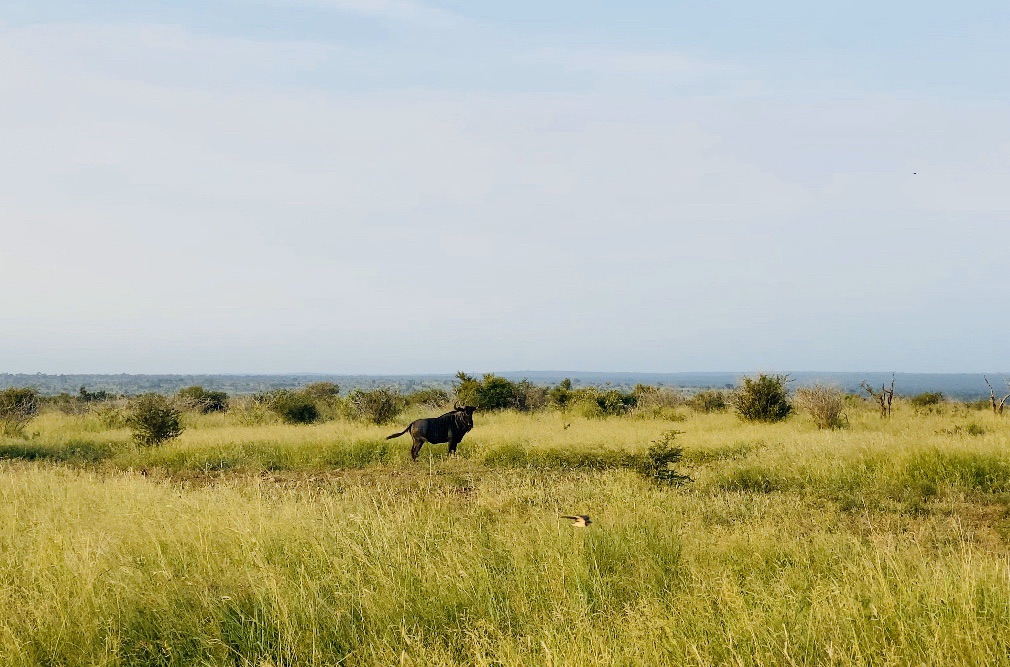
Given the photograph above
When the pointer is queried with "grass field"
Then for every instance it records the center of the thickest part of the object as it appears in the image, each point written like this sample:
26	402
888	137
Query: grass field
884	543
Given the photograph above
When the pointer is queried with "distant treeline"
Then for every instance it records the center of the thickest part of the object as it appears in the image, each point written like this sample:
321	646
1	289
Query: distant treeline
964	386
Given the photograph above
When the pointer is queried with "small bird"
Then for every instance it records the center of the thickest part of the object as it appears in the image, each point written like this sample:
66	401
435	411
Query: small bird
566	427
579	520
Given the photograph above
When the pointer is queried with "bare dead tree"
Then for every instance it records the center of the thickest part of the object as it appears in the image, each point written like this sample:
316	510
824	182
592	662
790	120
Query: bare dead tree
997	406
883	398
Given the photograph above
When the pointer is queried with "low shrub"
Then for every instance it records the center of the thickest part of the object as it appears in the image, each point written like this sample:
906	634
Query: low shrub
648	396
825	403
432	398
709	400
926	399
660	459
762	399
293	407
153	419
377	406
201	400
593	402
18	406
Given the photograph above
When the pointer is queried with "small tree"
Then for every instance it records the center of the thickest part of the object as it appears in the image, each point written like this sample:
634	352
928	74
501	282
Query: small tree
322	391
153	419
660	459
762	399
997	406
377	406
825	404
884	398
18	406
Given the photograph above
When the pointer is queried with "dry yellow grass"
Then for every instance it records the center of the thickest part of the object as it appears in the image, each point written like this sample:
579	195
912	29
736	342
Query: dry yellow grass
880	544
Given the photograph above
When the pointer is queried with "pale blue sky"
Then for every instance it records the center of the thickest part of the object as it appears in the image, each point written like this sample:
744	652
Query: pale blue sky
395	186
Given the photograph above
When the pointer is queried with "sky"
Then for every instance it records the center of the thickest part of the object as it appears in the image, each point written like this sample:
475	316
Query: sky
391	186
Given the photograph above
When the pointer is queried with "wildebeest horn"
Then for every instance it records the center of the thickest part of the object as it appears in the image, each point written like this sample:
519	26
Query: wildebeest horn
455	405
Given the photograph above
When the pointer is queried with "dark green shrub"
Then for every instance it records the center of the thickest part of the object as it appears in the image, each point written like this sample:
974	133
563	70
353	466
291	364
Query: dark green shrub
561	395
613	402
98	396
153	419
762	399
490	393
709	400
294	407
199	399
660	459
18	406
377	406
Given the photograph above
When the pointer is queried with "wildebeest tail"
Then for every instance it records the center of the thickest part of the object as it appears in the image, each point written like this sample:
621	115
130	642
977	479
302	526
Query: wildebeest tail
397	435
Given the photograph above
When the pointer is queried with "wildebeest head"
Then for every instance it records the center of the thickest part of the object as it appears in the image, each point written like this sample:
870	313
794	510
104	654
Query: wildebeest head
466	412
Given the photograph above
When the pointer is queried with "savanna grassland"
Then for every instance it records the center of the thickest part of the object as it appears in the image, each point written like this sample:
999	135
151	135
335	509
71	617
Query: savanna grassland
881	543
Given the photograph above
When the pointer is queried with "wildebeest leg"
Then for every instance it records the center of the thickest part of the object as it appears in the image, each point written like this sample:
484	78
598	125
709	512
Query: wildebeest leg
416	449
452	445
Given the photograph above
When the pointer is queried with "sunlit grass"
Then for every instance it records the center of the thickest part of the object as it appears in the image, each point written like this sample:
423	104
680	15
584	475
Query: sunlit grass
881	543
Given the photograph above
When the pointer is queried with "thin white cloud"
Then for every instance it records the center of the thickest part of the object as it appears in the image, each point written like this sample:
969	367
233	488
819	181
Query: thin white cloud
405	11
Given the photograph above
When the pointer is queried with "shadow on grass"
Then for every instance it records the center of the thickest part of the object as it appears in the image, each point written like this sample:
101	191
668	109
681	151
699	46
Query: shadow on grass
68	452
516	456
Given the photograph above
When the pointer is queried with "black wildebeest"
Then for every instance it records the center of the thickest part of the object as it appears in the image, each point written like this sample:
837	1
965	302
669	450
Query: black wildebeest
450	427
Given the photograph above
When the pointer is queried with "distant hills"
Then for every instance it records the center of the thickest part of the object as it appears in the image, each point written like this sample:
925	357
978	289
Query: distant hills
954	385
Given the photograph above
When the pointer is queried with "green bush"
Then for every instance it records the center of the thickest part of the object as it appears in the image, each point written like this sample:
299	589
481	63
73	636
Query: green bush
762	399
490	393
926	399
432	398
199	399
294	407
561	395
661	457
709	400
18	406
153	419
377	406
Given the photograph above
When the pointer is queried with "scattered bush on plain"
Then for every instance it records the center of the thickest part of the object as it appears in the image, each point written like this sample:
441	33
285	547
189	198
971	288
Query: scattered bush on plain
825	403
660	459
927	399
201	400
762	399
493	392
153	419
377	406
709	400
431	398
293	407
18	406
